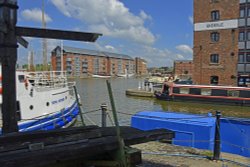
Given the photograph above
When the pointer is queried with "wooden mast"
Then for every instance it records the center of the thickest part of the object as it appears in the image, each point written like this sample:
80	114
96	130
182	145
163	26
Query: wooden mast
44	40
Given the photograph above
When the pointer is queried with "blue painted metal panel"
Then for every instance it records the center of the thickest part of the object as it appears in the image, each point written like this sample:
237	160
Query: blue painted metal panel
190	130
235	136
198	131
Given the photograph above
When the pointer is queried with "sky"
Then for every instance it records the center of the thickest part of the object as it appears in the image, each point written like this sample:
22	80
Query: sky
159	31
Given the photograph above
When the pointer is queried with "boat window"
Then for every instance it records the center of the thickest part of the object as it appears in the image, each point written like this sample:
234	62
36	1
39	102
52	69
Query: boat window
233	93
206	92
184	90
195	91
21	78
176	90
245	93
219	92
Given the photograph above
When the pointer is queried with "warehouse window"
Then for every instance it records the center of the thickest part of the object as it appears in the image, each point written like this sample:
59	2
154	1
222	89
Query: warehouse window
241	36
214	80
248	36
241	58
215	36
248	12
215	15
248	58
214	58
242	12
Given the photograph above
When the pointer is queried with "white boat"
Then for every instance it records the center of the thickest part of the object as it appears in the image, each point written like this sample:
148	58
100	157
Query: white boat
101	76
125	75
45	101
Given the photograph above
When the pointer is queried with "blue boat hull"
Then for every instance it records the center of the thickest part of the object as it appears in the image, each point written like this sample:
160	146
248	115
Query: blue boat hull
54	121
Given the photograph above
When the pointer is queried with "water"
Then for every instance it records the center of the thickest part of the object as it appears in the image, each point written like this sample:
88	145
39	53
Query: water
94	92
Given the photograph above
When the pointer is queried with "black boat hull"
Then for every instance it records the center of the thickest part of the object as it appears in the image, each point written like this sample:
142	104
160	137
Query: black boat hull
214	100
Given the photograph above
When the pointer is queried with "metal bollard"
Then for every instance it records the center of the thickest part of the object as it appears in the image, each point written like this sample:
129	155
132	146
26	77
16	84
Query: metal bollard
151	87
104	114
217	141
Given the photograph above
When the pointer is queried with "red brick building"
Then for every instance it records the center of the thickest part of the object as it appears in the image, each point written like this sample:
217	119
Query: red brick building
183	69
83	62
221	42
141	66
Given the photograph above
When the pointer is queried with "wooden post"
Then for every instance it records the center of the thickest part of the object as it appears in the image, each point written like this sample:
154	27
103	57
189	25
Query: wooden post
8	54
121	154
104	114
79	105
217	137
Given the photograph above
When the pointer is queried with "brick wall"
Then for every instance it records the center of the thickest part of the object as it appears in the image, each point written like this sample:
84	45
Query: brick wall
226	47
183	69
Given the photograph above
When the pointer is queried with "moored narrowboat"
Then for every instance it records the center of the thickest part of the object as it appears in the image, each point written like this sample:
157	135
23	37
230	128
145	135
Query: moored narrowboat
205	93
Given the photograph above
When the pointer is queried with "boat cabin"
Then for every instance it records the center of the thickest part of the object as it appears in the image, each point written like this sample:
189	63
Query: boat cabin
206	93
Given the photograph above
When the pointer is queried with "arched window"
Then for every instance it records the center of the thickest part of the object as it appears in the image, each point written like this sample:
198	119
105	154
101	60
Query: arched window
215	15
215	36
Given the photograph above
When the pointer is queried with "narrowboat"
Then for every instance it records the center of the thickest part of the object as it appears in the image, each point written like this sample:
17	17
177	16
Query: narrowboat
205	93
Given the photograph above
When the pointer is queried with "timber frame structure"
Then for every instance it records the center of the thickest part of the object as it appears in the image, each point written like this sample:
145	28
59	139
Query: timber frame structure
10	35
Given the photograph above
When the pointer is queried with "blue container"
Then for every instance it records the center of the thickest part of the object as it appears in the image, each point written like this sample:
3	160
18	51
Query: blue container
190	130
235	136
198	130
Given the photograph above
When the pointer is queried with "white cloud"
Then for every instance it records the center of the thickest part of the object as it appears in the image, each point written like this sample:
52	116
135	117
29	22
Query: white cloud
35	15
109	47
145	16
110	17
179	56
185	49
191	19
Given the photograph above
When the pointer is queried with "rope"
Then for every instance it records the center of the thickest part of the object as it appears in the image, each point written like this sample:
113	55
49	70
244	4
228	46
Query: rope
91	111
165	118
234	145
90	120
235	127
110	119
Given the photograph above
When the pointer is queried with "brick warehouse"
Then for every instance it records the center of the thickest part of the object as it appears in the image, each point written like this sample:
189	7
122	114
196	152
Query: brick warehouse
83	62
183	69
222	42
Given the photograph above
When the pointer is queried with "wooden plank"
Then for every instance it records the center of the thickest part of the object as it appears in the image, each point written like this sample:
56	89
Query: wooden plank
57	34
77	143
130	135
24	136
22	41
53	154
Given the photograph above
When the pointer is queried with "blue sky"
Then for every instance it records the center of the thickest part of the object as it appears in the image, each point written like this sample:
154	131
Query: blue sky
159	31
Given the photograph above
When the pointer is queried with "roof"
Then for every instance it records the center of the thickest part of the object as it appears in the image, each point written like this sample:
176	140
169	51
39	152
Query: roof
69	49
186	61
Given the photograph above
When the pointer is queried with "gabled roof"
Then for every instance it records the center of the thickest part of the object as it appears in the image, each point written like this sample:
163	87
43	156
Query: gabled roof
80	51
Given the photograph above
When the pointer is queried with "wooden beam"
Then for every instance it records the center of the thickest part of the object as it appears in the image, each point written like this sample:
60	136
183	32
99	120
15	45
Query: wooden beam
8	54
22	41
57	34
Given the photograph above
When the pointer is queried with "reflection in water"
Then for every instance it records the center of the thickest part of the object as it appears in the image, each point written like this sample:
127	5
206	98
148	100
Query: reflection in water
94	92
